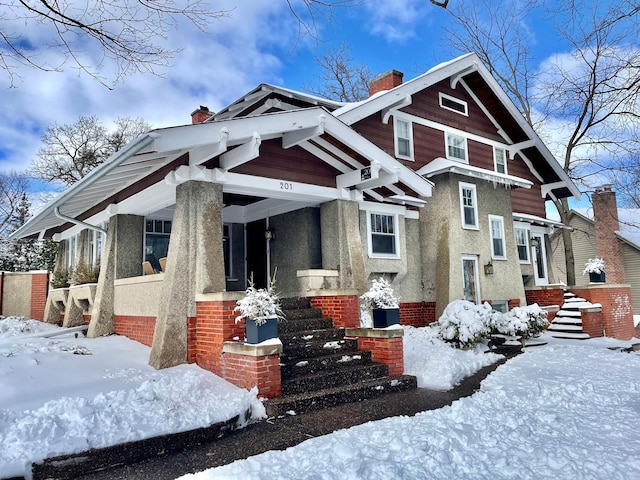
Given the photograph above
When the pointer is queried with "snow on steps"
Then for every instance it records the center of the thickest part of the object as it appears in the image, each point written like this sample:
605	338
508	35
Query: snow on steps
320	368
568	321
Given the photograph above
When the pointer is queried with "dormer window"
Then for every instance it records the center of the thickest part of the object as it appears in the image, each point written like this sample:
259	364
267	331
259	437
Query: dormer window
453	104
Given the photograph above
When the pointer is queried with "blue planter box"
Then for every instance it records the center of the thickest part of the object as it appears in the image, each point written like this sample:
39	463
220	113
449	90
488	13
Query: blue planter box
257	334
596	277
385	317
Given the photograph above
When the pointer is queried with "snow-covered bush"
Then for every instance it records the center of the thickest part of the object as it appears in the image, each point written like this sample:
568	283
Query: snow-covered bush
523	321
259	304
594	265
380	295
464	323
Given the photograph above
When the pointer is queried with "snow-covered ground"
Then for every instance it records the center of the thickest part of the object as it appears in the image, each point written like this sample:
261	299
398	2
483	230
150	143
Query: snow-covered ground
557	411
67	394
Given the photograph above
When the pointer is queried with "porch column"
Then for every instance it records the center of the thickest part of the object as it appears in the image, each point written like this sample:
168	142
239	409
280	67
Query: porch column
122	258
195	265
342	247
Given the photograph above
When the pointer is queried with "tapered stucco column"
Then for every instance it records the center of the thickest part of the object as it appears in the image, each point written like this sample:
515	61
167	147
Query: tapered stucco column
195	264
121	258
342	247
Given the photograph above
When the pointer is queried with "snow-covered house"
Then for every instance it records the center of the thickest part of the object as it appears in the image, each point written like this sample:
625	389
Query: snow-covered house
603	231
437	184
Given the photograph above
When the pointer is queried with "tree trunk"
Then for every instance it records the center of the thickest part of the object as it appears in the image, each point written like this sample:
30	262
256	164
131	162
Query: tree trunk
563	209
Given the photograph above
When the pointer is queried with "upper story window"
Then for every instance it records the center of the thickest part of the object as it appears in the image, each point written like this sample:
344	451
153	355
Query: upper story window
500	160
383	235
522	242
456	147
403	132
453	104
468	206
498	249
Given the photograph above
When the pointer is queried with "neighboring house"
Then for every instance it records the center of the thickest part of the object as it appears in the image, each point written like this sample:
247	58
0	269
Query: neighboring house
621	231
438	184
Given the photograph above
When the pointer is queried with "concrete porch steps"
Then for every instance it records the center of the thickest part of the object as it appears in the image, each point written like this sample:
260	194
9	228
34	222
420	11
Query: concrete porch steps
321	368
567	323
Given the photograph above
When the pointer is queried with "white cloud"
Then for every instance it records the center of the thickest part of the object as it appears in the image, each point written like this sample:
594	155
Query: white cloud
396	20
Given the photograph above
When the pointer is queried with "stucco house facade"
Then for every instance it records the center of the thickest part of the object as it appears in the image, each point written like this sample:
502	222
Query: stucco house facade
438	184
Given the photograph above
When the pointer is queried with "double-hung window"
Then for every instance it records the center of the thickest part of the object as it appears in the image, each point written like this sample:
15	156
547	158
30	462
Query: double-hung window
498	248
403	132
456	147
500	160
468	206
383	235
522	242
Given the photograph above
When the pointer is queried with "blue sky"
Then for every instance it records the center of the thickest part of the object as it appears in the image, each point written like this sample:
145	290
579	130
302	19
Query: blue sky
258	43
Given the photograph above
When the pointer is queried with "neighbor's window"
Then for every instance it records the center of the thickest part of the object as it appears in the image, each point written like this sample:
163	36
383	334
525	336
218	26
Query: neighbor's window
498	250
453	104
383	235
456	147
500	160
468	206
404	139
522	242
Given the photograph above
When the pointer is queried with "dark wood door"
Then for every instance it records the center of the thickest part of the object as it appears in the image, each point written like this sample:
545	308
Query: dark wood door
257	252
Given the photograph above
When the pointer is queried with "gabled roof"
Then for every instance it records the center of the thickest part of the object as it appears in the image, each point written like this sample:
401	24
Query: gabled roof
629	219
470	72
141	177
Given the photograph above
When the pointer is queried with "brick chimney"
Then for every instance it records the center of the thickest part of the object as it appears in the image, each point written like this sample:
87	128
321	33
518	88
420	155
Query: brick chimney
385	81
200	114
605	219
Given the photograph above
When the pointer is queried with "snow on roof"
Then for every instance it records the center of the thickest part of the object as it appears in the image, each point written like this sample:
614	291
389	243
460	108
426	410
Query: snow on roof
629	219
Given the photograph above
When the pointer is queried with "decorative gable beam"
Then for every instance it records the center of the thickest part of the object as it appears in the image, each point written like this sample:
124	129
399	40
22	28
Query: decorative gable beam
242	154
546	188
325	157
458	76
485	110
355	177
289	139
204	153
518	147
384	178
401	103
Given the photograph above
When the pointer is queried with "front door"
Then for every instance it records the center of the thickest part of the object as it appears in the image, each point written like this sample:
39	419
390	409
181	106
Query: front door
257	252
470	278
539	256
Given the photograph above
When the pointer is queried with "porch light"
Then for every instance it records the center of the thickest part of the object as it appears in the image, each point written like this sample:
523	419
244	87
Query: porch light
488	269
270	234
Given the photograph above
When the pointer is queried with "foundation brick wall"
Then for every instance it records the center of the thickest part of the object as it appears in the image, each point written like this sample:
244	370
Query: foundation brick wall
39	290
343	309
248	371
138	328
545	296
592	323
617	310
385	350
417	314
214	324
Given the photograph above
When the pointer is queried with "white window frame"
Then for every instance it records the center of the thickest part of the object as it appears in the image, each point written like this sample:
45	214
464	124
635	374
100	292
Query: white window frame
396	137
456	100
527	244
474	198
450	135
96	247
502	303
72	250
500	220
476	275
504	159
395	234
540	233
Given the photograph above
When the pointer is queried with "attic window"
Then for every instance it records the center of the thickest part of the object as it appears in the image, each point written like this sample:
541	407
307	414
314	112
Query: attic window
453	104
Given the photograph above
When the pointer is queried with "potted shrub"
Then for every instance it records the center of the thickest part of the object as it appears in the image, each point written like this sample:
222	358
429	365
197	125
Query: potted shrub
383	303
595	268
84	273
60	278
261	311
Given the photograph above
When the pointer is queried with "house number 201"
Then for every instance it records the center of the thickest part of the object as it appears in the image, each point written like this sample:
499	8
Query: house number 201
286	186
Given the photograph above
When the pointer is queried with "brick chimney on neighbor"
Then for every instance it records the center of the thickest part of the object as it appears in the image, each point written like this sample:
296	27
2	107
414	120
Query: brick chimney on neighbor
200	115
385	81
605	219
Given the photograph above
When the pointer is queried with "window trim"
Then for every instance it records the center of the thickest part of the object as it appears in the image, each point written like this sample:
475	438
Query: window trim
396	235
527	235
396	136
463	103
472	187
500	219
448	135
495	160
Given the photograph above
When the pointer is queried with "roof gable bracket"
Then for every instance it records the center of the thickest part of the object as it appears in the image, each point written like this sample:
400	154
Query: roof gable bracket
290	139
356	177
398	104
383	179
545	189
454	79
518	147
242	154
184	173
204	153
